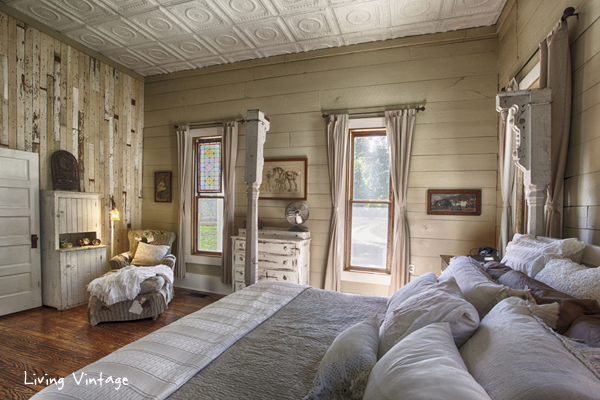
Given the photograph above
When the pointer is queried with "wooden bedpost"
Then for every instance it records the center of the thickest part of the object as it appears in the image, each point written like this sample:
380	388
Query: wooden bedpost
531	127
257	126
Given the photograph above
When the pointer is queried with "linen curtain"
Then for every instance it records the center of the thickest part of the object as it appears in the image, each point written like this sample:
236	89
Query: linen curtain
555	73
230	143
183	143
337	160
507	175
399	131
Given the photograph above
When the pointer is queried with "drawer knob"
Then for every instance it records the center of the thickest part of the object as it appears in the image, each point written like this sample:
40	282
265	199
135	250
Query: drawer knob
285	262
242	245
241	258
285	247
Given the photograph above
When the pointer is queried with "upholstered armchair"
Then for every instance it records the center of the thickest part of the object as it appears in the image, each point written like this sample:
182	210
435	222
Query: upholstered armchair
155	292
151	236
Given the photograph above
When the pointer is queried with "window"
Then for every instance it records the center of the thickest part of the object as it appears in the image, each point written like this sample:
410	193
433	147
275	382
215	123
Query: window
370	202
208	196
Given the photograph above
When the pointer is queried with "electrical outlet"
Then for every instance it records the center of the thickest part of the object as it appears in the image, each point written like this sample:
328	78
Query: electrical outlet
411	269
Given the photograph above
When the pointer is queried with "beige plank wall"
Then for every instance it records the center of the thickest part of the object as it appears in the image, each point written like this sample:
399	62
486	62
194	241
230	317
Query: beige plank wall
454	75
56	101
523	25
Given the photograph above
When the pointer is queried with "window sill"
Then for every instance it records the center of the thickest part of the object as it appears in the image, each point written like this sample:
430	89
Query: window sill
205	260
366	277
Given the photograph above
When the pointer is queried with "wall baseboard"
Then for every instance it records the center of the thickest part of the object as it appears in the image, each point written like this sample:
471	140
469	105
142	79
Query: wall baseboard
203	283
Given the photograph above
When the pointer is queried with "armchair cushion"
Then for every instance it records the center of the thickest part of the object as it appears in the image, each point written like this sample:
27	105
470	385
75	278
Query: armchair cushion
149	254
150	236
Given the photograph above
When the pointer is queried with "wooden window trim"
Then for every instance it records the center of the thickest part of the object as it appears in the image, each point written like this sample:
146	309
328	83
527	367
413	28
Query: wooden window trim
196	195
354	133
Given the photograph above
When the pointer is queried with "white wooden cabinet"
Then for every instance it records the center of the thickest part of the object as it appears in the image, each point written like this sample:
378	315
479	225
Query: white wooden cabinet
66	272
282	256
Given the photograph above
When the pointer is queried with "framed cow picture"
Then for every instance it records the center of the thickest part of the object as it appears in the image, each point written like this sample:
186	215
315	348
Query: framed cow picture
284	179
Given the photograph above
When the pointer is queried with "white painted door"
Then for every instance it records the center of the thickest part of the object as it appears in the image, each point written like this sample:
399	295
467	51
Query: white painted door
20	272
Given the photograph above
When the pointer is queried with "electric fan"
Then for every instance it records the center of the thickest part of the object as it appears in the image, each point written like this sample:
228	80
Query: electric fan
296	213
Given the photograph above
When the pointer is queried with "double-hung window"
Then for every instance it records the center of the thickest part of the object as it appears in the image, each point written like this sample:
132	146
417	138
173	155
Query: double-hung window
207	191
369	202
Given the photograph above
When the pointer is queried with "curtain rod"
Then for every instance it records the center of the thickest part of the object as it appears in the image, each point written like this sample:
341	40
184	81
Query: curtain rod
568	12
371	112
198	124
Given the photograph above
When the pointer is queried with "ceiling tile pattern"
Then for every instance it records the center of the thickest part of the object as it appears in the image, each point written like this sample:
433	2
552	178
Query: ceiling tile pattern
160	36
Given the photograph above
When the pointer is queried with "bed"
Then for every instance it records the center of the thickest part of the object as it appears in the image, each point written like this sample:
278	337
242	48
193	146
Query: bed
268	340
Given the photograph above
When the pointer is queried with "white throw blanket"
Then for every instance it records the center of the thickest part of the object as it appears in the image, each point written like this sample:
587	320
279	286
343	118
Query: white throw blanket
125	283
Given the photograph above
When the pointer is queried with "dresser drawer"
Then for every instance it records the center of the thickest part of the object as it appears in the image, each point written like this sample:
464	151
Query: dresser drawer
267	275
239	273
268	247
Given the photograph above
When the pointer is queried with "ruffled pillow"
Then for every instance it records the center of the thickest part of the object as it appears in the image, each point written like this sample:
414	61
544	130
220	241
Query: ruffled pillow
515	356
572	278
425	365
345	368
529	255
440	302
477	286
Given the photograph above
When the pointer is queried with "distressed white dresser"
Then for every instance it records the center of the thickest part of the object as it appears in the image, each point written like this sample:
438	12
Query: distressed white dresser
66	272
282	256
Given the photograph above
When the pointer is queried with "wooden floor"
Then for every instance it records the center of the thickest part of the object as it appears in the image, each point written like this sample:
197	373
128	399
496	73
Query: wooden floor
46	341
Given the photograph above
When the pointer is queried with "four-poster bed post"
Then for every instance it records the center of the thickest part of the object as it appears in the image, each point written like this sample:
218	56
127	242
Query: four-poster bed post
257	126
530	123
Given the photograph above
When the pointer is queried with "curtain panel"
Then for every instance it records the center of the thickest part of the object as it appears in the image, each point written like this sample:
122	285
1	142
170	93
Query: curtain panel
337	159
507	175
183	151
399	131
555	73
230	144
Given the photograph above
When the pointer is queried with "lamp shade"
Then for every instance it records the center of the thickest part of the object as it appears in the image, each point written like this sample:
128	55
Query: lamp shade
114	215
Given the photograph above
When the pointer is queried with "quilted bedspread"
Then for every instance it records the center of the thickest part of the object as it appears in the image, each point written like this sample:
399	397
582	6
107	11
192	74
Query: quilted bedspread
158	364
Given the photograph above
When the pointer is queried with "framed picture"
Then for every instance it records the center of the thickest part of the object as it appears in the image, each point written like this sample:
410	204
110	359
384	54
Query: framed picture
284	179
162	187
453	202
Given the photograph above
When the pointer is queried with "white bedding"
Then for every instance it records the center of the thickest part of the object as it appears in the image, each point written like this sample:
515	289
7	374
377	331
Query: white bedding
124	284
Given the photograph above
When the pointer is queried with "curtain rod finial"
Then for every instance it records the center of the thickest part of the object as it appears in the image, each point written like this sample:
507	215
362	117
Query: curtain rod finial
569	12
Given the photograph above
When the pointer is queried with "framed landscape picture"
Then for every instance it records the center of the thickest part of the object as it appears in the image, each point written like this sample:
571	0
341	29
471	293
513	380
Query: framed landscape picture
453	202
162	187
284	179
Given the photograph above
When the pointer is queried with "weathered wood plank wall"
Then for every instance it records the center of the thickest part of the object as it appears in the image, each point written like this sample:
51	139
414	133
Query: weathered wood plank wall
55	97
455	75
522	26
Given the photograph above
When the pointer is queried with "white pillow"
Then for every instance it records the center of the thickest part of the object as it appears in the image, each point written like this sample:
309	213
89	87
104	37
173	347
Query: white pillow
411	288
476	286
529	255
572	278
345	368
440	302
424	365
514	356
149	254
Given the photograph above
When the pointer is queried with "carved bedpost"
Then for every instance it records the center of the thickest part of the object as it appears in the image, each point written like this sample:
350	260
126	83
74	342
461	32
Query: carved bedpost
530	123
257	126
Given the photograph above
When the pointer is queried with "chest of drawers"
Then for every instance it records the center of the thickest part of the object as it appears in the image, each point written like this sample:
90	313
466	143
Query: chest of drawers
282	256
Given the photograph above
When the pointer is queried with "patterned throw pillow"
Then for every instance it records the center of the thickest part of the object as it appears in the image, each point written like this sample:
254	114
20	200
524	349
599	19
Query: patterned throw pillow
345	368
148	254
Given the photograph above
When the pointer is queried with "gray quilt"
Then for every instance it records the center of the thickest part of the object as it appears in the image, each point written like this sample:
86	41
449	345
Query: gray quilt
279	358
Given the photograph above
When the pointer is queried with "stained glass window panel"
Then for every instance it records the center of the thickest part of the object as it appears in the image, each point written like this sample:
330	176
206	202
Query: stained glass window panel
209	166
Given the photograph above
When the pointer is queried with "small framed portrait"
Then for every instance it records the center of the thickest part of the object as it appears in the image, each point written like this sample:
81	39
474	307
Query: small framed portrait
162	187
453	202
284	179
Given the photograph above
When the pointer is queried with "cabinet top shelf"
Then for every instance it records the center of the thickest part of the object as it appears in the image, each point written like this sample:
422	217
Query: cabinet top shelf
80	248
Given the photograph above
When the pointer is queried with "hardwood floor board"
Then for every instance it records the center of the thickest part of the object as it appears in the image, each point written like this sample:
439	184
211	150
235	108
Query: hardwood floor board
53	344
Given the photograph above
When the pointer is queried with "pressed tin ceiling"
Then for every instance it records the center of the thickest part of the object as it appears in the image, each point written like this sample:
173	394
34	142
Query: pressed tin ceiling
159	36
